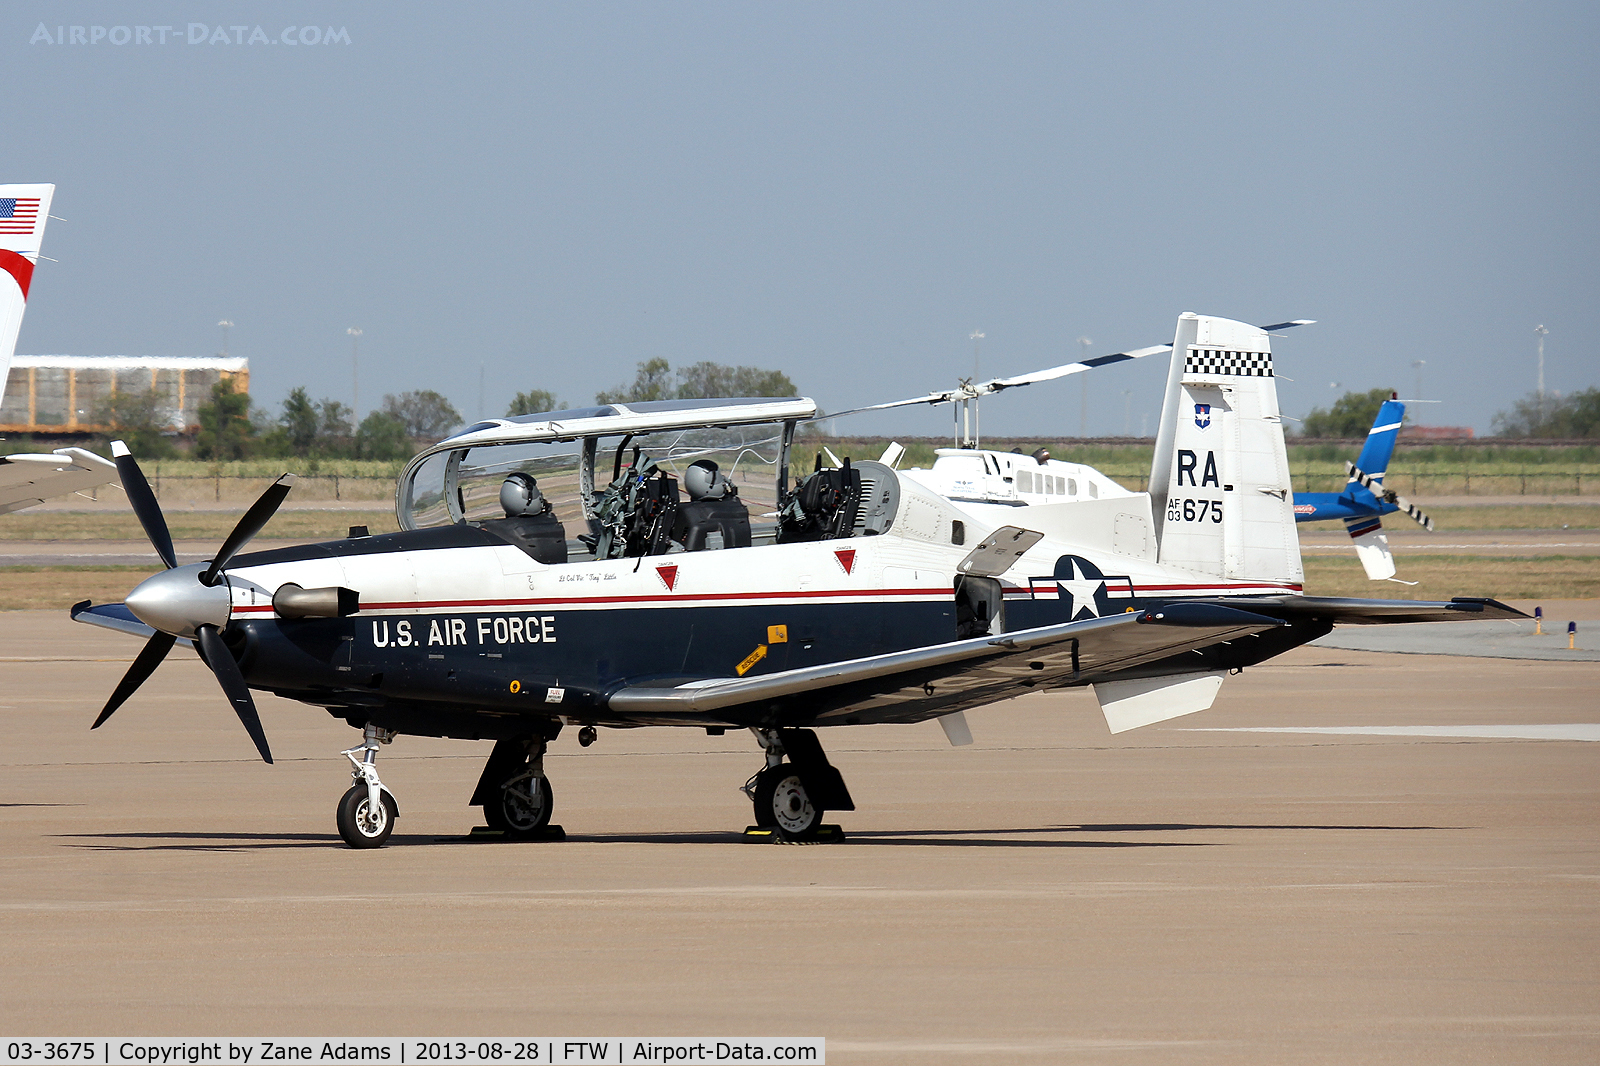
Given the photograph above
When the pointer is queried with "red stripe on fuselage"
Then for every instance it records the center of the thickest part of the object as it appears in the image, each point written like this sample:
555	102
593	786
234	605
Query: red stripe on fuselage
689	601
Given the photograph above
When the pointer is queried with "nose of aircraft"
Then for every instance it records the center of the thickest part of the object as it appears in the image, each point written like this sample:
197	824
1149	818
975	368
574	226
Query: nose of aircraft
174	601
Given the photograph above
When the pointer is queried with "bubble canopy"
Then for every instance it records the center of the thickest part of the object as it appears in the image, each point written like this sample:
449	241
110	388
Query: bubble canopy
577	452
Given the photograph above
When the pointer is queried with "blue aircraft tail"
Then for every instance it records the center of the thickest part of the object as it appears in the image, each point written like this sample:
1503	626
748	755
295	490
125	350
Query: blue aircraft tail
1376	452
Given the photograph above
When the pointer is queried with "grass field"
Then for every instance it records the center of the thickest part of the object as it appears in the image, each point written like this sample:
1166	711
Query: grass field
187	525
327	525
1553	577
1438	577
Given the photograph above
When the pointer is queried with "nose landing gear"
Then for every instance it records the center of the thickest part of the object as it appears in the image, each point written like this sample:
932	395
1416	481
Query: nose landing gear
367	813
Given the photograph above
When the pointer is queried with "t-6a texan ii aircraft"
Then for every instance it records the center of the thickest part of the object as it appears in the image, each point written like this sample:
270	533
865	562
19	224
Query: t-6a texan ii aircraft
29	479
705	590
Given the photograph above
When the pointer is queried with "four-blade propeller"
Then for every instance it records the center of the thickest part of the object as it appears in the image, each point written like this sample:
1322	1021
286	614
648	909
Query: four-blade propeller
180	602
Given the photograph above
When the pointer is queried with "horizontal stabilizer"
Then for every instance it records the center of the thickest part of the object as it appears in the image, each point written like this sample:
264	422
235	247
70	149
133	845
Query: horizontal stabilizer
1148	700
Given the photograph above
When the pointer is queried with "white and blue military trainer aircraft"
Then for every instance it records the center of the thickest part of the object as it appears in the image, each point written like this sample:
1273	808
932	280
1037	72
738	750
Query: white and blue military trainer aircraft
854	596
1364	500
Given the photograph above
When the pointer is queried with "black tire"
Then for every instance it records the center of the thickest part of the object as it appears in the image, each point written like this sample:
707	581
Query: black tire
766	781
781	799
514	816
356	827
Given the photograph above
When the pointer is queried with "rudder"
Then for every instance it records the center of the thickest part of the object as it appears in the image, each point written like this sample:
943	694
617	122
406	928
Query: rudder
1219	481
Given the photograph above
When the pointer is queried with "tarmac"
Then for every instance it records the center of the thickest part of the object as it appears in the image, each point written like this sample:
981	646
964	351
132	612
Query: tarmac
1406	880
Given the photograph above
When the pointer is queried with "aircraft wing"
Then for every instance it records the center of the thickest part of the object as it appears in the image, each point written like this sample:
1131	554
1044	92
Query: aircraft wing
116	616
1358	612
930	682
26	479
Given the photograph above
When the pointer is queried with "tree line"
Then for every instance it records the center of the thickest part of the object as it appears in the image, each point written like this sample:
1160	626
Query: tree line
233	427
1549	417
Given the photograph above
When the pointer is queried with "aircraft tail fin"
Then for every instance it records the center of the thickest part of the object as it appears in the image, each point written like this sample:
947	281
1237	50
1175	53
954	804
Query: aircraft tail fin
23	211
1219	483
1379	446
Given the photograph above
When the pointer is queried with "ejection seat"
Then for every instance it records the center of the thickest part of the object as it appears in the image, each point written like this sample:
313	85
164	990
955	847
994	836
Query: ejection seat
713	517
530	522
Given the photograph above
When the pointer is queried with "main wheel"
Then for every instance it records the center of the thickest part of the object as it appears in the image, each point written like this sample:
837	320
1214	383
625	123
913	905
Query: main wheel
359	824
520	811
781	802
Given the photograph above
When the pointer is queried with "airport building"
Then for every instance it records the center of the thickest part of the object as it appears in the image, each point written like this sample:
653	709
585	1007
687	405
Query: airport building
57	394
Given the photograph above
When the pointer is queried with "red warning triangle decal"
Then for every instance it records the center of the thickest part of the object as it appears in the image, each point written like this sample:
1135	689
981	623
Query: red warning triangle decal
668	575
847	558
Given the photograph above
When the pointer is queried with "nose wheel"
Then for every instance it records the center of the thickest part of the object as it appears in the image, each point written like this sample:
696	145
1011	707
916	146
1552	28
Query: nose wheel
363	825
367	813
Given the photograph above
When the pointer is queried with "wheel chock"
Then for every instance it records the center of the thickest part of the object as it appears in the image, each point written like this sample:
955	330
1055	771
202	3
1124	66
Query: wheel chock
765	834
548	833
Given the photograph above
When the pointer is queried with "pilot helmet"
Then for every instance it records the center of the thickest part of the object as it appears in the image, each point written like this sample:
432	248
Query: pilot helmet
704	481
520	495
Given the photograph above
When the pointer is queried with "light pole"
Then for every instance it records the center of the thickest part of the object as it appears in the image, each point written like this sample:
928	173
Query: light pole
1417	365
1083	409
976	337
355	374
226	325
1541	332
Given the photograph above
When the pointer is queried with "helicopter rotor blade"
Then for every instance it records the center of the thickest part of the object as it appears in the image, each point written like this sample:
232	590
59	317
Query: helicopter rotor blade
1412	511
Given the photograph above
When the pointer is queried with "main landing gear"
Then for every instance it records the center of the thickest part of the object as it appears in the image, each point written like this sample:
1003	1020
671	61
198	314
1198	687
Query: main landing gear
797	787
367	812
514	792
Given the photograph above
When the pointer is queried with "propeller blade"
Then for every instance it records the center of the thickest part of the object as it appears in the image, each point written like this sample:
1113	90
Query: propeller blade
258	516
144	503
144	665
1412	511
1276	326
231	678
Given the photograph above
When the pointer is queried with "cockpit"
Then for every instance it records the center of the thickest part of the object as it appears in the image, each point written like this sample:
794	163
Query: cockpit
626	480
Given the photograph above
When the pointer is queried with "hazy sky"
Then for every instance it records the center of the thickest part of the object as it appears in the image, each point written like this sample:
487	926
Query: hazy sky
841	191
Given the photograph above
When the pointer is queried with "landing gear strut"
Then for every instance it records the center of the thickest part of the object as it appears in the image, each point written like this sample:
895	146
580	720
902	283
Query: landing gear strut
367	812
792	794
514	792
